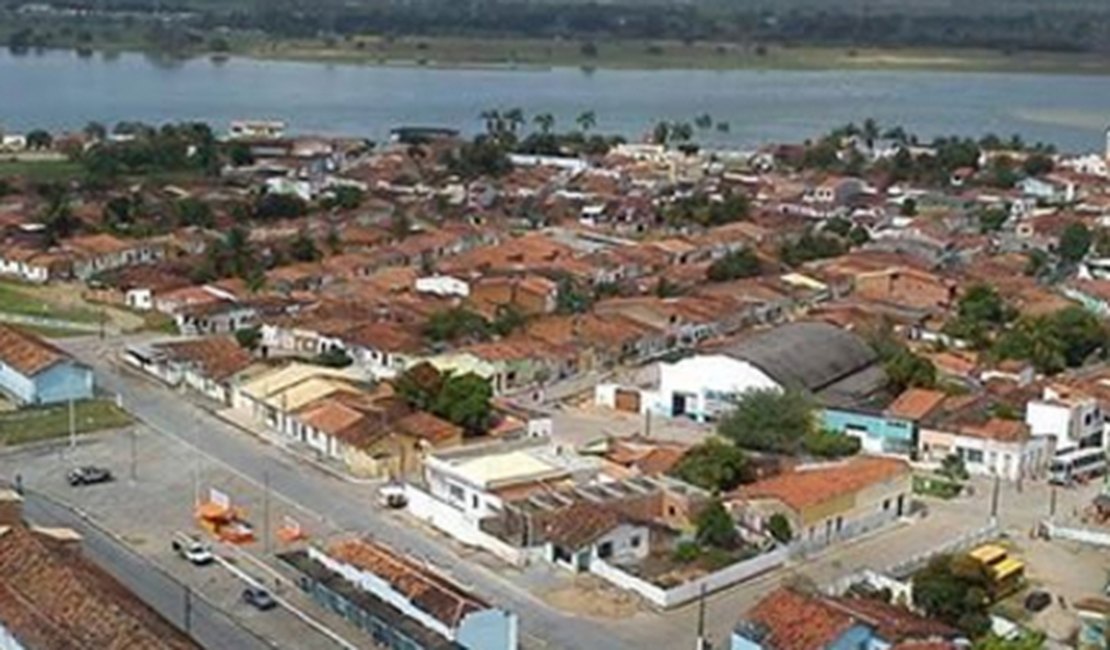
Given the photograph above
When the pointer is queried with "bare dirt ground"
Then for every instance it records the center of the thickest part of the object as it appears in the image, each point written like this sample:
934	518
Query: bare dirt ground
591	596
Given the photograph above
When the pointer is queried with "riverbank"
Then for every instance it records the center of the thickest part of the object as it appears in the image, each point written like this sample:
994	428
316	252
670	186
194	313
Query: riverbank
625	54
655	55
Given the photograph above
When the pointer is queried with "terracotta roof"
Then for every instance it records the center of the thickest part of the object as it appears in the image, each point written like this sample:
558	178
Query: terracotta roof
219	357
53	598
998	429
896	624
426	589
793	621
27	353
804	487
916	403
100	244
780	616
429	427
581	524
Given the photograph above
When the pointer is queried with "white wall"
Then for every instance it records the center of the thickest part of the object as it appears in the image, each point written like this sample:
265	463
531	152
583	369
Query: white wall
458	525
688	591
711	379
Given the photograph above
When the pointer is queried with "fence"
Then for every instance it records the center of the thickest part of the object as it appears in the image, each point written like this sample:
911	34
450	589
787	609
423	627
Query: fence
203	621
688	591
1081	535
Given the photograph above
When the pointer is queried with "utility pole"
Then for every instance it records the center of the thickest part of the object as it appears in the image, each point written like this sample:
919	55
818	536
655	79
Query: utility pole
647	423
1052	503
994	499
702	643
72	425
188	610
266	510
134	456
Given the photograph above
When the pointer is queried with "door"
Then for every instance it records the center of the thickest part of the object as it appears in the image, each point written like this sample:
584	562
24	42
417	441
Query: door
627	400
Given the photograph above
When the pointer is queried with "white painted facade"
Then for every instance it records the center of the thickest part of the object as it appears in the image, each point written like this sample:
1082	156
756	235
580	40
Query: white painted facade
1067	420
704	386
443	285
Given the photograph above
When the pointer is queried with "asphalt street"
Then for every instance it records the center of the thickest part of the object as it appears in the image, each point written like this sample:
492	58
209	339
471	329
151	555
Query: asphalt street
345	506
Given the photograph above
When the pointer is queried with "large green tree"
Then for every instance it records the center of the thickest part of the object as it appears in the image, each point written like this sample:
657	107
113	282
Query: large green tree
954	589
769	420
464	400
714	465
742	263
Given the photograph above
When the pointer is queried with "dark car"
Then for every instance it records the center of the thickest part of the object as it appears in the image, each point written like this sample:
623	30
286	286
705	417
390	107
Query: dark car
259	598
1037	601
88	475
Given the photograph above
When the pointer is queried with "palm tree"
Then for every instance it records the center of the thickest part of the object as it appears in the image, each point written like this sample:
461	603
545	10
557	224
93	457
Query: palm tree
492	118
661	133
515	117
586	121
870	132
546	122
682	131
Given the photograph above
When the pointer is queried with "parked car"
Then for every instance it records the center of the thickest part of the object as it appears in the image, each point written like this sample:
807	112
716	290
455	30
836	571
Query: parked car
88	475
259	598
192	549
392	496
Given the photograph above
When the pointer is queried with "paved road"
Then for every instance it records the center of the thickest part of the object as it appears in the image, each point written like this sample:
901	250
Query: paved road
204	622
347	507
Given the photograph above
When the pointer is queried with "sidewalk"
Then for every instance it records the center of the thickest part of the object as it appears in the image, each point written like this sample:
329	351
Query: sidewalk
302	452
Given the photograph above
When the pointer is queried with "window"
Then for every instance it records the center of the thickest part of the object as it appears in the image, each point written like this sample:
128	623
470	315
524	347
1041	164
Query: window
886	504
456	493
605	550
635	541
474	501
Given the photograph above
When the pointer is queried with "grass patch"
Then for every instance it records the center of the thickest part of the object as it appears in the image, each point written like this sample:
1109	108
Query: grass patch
50	332
46	422
18	299
41	170
936	486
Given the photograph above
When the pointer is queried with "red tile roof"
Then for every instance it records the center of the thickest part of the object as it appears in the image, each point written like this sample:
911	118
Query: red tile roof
805	487
51	597
219	357
916	403
429	591
797	622
581	524
27	353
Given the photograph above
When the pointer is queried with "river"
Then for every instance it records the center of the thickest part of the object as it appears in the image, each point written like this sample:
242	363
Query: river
58	90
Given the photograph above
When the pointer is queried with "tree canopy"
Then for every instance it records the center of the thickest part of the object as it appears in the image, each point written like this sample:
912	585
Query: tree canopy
954	589
714	465
742	263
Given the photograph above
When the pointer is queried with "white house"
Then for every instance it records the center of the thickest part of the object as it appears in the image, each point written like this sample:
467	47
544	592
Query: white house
1072	419
443	285
704	386
996	448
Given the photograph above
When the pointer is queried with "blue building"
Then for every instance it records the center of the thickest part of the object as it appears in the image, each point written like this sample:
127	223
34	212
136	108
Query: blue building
33	371
400	604
893	430
878	433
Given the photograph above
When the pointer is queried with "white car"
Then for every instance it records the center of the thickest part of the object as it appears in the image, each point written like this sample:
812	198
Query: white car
192	549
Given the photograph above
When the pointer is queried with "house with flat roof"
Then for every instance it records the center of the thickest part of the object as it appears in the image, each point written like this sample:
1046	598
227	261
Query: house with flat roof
398	601
33	371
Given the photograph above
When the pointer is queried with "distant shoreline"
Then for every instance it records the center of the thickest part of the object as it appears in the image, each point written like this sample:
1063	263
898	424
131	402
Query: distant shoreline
540	56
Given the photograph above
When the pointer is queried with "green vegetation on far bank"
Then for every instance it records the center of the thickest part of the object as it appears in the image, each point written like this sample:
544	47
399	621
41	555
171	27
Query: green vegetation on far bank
42	423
